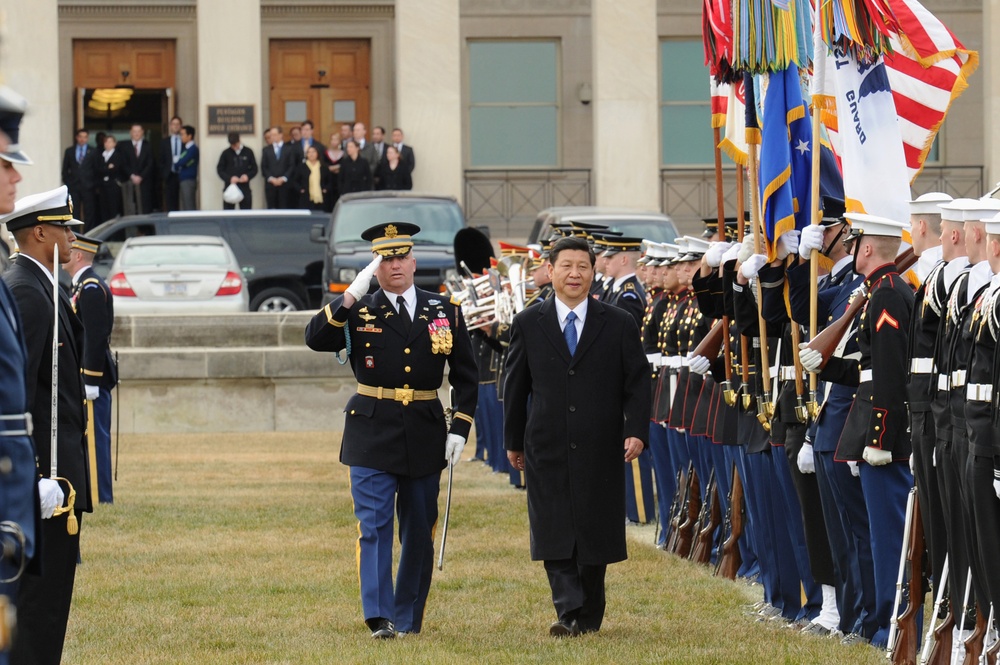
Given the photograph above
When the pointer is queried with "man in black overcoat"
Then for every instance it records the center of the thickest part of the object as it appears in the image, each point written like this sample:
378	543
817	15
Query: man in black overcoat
576	403
39	224
277	166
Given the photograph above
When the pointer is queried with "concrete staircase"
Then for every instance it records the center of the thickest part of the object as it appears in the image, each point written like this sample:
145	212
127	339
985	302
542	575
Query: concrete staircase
233	373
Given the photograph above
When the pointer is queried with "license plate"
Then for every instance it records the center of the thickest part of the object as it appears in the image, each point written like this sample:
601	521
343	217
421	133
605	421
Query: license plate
175	289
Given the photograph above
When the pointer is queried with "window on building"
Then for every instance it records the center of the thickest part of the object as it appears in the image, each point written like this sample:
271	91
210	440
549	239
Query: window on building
685	108
513	104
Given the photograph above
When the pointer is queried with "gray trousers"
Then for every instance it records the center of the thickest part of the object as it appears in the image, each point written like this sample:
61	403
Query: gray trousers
187	194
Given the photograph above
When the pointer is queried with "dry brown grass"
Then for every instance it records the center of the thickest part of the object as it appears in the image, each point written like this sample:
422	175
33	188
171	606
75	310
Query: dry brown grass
240	549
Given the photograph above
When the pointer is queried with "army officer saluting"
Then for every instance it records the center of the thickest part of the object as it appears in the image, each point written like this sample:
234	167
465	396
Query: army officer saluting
396	443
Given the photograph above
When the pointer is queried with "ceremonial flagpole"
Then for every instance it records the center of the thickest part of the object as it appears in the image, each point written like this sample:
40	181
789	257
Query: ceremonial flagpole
727	387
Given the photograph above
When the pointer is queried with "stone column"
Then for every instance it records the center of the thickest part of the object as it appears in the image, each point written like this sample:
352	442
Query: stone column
626	104
429	92
229	73
29	63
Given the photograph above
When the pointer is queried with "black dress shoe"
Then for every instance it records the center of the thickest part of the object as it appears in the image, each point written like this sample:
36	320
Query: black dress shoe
382	629
563	628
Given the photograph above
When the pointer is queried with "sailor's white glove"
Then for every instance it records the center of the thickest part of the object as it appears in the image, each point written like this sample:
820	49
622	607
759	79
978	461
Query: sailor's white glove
713	257
359	287
746	249
811	238
93	392
854	468
788	243
50	496
699	364
453	448
805	459
732	253
811	359
752	265
876	456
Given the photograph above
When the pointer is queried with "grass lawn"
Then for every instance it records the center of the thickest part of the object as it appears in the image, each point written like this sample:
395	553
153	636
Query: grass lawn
240	548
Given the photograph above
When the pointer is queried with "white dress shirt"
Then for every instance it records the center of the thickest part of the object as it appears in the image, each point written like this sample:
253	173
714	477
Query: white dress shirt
563	310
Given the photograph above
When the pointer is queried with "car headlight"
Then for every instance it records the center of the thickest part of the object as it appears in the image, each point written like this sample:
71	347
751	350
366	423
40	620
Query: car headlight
346	275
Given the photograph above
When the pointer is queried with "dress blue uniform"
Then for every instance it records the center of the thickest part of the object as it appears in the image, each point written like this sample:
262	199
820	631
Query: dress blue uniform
395	429
94	305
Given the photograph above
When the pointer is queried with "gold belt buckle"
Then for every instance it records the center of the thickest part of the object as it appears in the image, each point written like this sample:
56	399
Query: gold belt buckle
404	395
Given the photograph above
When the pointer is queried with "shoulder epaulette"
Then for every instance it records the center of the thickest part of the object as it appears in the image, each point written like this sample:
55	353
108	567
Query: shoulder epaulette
455	301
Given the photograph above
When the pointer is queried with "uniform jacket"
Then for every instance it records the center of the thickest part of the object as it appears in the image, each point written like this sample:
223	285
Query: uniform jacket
985	327
95	308
582	408
878	417
923	336
33	293
231	164
19	489
406	440
629	296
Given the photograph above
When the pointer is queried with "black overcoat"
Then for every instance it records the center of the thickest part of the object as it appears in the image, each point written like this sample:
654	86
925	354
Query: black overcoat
573	430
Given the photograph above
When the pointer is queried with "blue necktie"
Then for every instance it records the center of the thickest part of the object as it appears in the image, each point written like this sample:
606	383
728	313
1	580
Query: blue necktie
79	154
277	152
569	332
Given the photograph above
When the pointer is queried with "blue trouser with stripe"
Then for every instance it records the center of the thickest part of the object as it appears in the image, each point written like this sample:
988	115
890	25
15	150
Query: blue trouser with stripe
375	494
665	477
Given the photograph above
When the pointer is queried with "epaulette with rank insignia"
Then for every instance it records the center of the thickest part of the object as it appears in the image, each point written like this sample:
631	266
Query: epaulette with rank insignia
455	301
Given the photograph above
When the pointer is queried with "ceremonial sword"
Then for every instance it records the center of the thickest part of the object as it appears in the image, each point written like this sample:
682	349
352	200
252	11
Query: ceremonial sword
72	526
451	475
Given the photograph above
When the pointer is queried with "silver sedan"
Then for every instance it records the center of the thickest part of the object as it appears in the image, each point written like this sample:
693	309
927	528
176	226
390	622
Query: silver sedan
177	274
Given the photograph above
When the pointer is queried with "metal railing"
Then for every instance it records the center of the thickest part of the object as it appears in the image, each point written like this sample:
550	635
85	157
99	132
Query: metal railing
507	201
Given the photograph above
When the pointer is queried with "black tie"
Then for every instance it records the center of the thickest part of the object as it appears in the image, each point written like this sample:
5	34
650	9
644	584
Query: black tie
403	313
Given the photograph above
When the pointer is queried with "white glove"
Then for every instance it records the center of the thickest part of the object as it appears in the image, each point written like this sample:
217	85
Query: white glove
854	468
713	257
50	496
699	364
811	359
453	448
788	243
996	482
732	253
746	249
805	460
359	287
913	468
93	392
811	238
752	265
876	456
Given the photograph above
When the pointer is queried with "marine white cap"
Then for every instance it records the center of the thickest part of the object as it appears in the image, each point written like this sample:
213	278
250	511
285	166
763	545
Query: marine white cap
927	204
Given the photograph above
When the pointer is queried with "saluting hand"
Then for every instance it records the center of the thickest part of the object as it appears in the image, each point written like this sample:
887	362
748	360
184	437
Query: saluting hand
633	446
359	287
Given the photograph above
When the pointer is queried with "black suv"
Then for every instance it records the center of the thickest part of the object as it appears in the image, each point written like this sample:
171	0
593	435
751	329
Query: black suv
282	266
439	219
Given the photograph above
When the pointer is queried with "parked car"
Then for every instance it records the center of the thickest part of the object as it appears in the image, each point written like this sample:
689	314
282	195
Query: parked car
439	219
653	226
282	267
177	274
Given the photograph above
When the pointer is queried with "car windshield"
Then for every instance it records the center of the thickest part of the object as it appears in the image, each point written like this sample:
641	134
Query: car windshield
439	221
138	256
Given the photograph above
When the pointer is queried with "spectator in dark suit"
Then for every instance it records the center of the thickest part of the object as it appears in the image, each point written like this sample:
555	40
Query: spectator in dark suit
307	140
393	173
313	181
367	150
110	171
355	174
187	169
405	151
237	166
139	164
170	149
277	165
346	134
73	178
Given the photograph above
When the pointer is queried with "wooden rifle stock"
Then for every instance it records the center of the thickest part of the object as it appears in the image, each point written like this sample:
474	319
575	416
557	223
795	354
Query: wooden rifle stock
677	509
710	344
992	652
827	340
709	522
907	645
974	642
730	558
685	535
941	649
